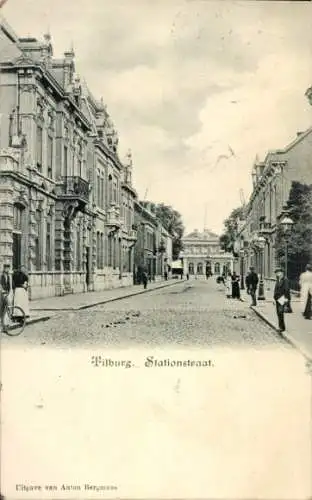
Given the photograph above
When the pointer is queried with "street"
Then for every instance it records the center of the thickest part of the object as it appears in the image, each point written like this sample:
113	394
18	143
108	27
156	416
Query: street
221	415
192	313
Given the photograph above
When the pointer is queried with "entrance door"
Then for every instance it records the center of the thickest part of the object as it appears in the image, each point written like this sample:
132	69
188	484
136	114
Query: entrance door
88	267
17	250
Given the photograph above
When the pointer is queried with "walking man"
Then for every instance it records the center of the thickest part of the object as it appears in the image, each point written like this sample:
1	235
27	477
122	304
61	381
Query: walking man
251	285
5	288
281	297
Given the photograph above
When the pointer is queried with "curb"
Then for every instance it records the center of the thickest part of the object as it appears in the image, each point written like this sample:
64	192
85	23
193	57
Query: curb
105	301
286	336
37	320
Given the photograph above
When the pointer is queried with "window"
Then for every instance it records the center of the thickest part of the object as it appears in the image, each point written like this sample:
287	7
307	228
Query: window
78	248
50	155
17	218
98	250
48	248
217	268
110	189
98	187
65	161
115	187
39	147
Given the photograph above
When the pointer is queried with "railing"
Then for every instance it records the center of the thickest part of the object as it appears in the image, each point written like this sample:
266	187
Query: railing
76	187
113	216
133	234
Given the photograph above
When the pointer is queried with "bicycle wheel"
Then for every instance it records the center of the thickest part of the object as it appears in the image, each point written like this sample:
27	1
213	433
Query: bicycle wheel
14	321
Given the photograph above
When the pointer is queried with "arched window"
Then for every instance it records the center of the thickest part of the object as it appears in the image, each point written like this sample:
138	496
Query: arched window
191	268
18	213
200	268
217	268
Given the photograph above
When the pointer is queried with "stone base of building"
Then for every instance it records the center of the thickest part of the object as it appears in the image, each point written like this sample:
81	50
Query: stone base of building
56	284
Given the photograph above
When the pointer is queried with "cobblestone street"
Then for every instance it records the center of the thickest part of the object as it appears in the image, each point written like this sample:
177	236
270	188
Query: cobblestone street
192	313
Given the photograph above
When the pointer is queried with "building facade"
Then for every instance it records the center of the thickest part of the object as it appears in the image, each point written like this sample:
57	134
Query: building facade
272	180
202	254
66	198
153	247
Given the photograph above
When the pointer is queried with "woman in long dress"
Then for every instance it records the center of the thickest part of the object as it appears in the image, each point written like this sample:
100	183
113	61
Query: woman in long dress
235	286
305	282
20	287
228	285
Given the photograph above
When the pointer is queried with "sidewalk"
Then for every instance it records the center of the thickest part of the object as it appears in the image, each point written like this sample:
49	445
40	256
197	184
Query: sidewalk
298	330
43	309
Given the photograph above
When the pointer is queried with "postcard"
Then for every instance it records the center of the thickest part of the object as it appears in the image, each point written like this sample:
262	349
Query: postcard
155	212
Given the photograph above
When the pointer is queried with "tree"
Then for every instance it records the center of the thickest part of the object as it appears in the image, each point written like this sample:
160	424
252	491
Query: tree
299	241
172	221
228	238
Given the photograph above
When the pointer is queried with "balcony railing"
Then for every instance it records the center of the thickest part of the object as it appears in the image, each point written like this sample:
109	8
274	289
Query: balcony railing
265	227
113	217
74	187
132	234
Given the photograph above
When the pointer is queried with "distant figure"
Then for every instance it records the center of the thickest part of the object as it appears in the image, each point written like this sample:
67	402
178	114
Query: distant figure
228	285
305	282
144	279
281	297
251	285
5	288
20	287
235	286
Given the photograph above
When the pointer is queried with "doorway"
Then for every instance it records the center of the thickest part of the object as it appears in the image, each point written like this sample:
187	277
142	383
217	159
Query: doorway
17	250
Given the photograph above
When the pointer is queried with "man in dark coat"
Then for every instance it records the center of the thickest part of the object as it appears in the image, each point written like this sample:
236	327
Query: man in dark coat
251	285
5	288
281	297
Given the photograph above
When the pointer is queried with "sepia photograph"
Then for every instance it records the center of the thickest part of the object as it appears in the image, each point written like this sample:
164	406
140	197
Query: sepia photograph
156	249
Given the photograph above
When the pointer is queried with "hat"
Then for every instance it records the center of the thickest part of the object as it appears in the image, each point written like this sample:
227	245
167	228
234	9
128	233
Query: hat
308	267
6	265
278	270
252	268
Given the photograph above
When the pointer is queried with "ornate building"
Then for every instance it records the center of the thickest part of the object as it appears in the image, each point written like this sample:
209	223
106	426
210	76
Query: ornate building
66	209
272	180
202	253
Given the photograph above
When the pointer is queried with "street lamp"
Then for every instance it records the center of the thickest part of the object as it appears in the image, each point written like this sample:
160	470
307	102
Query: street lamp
286	224
260	242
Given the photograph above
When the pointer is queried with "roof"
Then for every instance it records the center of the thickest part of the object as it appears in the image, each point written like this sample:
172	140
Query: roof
204	235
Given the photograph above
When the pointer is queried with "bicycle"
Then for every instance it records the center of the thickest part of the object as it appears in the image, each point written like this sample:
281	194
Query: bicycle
14	320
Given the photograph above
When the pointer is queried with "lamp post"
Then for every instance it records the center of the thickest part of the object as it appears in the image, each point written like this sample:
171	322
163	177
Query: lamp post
260	242
161	250
286	224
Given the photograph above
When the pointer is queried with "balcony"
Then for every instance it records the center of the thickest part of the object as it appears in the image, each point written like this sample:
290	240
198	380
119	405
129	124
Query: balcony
74	188
132	234
265	227
113	217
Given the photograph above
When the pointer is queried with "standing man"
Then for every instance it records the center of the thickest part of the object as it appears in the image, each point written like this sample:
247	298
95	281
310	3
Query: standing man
251	285
5	288
281	297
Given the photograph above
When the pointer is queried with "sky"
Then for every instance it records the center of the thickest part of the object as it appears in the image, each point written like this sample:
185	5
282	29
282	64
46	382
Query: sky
195	88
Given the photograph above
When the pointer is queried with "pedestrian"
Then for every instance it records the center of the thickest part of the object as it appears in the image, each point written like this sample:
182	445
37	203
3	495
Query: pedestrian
281	297
228	285
20	287
305	283
235	286
251	285
5	288
144	279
